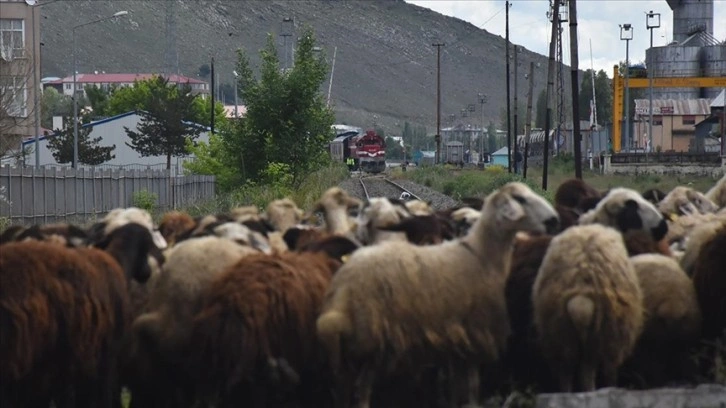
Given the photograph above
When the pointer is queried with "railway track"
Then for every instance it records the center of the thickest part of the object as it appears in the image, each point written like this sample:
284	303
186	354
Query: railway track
382	186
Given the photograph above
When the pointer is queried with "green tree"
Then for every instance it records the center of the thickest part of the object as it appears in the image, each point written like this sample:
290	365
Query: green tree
604	96
53	103
201	112
394	150
213	159
132	98
492	144
165	125
89	150
98	99
204	70
287	120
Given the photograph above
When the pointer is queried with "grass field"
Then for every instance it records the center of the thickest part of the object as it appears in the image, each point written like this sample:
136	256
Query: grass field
478	183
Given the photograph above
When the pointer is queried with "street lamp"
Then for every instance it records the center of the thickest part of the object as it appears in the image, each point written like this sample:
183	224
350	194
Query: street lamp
75	95
626	33
652	20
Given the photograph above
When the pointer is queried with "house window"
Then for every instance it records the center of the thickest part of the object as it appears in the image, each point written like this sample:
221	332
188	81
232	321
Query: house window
15	93
69	86
689	120
12	38
657	120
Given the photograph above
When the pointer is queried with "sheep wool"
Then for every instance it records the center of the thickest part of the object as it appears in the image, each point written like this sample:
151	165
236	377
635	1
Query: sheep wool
672	321
717	193
587	304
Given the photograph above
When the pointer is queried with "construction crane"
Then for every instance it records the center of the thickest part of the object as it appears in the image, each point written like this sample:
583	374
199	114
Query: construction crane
619	86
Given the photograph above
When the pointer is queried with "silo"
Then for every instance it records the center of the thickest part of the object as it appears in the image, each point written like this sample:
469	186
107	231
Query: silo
691	16
692	52
714	65
675	61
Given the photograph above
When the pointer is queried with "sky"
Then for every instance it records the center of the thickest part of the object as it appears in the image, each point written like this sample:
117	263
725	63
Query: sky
598	22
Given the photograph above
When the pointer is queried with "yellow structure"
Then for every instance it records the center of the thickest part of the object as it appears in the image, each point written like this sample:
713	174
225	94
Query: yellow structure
619	90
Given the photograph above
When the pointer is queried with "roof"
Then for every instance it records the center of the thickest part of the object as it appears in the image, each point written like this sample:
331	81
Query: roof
718	101
102	122
123	78
501	152
426	153
674	106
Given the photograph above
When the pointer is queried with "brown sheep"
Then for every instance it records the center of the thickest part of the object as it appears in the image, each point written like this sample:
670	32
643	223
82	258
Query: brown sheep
174	224
672	324
263	310
155	349
709	279
526	364
424	229
572	191
396	304
61	234
588	306
63	312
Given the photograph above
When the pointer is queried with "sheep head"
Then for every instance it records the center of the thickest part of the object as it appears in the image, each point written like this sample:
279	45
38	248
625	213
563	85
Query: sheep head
626	209
515	207
283	214
686	201
121	216
376	213
335	198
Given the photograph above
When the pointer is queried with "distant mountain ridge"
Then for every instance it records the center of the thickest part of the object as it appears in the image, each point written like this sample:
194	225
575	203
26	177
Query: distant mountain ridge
385	68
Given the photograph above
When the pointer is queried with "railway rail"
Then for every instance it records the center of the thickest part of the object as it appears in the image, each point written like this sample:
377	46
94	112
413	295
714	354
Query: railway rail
399	190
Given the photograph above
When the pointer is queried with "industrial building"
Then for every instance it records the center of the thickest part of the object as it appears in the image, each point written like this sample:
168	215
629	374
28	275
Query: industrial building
687	75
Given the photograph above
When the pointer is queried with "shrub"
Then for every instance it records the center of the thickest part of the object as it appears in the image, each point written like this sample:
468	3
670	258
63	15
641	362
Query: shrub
144	199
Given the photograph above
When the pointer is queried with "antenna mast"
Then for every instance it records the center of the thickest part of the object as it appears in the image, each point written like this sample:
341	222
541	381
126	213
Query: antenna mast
560	92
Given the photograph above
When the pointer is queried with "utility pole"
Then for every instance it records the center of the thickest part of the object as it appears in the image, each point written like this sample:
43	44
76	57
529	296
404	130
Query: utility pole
550	88
437	138
509	115
332	72
574	63
211	91
528	119
516	113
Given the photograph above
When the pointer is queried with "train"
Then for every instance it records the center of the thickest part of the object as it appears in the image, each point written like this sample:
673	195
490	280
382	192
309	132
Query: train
365	152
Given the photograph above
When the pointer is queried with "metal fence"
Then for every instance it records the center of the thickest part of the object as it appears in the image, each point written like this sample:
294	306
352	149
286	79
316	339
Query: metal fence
30	195
667	157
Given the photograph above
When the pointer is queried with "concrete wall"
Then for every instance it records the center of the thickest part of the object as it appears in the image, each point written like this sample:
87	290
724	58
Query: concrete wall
714	171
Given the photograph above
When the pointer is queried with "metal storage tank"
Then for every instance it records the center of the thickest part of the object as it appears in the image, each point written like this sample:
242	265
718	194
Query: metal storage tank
714	65
675	61
690	16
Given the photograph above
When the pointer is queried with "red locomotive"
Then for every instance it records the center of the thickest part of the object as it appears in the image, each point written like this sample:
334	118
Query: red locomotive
368	151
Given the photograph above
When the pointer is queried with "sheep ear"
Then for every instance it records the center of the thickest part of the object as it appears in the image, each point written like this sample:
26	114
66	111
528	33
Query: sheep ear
687	209
509	210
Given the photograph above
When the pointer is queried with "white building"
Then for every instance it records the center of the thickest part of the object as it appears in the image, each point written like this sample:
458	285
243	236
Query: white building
112	132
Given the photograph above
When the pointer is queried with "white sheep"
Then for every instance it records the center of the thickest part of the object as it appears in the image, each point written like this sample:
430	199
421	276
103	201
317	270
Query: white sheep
376	213
672	321
684	200
587	306
717	193
398	303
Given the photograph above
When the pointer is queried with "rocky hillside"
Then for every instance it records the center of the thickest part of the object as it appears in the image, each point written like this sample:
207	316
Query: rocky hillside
385	68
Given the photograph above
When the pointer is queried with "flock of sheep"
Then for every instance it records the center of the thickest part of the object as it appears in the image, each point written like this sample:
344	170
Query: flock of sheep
383	302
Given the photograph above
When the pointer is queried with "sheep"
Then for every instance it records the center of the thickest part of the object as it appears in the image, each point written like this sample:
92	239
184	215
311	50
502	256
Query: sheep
654	195
672	323
588	308
283	214
263	310
717	193
707	271
419	207
376	213
399	303
424	229
158	337
174	224
63	312
335	203
686	201
522	357
625	209
62	234
682	228
572	191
